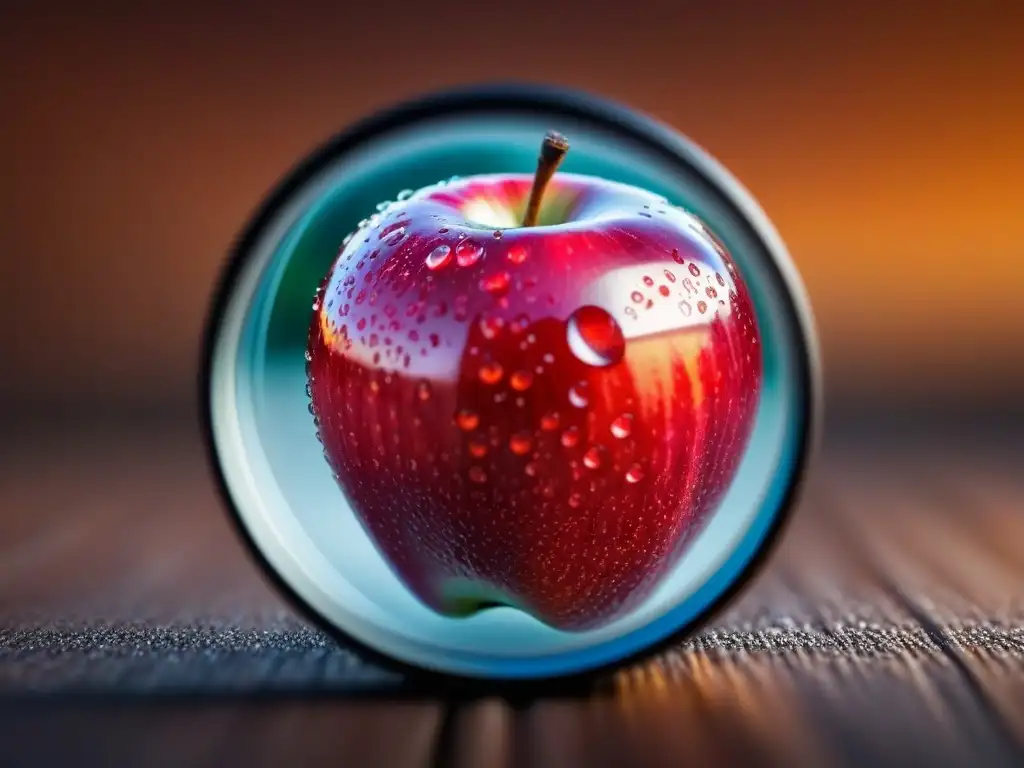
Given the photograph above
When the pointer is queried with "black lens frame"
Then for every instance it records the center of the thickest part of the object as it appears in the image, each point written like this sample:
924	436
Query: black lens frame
497	99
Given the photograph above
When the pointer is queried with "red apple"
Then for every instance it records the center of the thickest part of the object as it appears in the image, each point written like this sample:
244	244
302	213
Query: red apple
535	410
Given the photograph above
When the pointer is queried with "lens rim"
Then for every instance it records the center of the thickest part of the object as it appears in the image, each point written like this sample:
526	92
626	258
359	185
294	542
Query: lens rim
655	137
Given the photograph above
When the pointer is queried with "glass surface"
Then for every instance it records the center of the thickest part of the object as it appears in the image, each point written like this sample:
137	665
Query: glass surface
284	491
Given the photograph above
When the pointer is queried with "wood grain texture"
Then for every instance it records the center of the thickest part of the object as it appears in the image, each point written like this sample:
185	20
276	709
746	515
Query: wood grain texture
888	629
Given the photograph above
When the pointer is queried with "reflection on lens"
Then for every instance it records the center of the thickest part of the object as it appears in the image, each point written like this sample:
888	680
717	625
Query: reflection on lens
548	448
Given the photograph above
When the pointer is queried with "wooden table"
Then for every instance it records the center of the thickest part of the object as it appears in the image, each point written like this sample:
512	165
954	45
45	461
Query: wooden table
134	631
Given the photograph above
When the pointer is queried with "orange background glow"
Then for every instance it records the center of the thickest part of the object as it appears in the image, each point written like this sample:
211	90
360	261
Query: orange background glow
886	141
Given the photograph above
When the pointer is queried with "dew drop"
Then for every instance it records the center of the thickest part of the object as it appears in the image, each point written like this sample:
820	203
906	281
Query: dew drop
520	443
517	254
578	395
575	499
635	474
648	281
490	327
663	290
521	380
439	257
468	253
477	475
720	279
676	257
636	296
685	308
631	313
491	372
497	284
532	469
549	421
395	237
467	420
478	447
497	234
570	437
694	269
594	337
404	195
702	307
670	275
711	292
592	458
424	390
622	427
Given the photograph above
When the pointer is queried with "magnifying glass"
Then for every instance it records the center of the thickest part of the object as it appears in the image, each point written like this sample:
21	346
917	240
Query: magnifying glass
458	565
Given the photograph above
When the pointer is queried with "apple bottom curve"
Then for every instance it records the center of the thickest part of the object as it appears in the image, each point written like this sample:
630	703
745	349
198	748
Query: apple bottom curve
540	417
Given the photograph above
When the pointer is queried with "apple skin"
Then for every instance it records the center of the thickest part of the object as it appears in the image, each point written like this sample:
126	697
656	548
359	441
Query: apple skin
541	417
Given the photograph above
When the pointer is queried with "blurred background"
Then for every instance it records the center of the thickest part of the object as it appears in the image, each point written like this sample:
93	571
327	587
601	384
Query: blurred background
883	139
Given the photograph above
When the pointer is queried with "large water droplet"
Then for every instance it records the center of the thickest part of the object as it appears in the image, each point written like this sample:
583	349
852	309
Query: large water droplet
635	474
570	437
521	380
439	257
549	421
595	337
497	284
622	427
491	372
467	420
468	253
395	237
578	395
592	458
517	254
520	443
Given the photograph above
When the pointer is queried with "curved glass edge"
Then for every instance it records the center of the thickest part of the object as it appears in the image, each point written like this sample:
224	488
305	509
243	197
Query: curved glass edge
231	441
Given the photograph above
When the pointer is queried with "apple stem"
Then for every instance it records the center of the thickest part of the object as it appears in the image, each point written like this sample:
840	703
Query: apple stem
552	152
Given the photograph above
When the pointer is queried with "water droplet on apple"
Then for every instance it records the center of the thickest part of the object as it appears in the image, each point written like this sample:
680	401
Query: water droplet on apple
383	206
578	395
720	279
549	421
497	234
521	380
636	296
439	257
711	292
635	474
622	427
592	458
491	372
424	390
702	307
404	195
490	327
677	257
517	254
630	313
468	253
670	276
395	237
575	499
497	284
520	443
663	290
478	447
532	469
594	337
467	420
477	475
570	437
694	269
